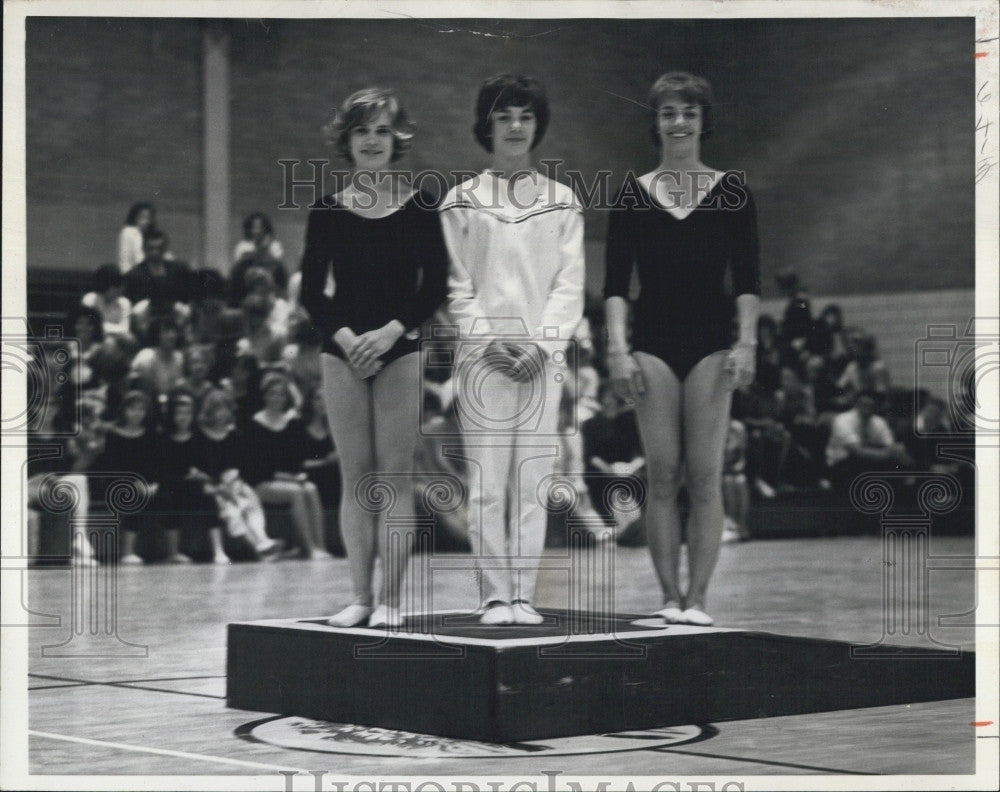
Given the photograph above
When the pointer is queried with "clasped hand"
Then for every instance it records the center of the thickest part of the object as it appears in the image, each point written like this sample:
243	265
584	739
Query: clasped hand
363	351
515	361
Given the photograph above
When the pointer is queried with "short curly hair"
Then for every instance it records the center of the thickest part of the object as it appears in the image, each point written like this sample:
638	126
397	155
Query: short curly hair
360	108
695	90
509	90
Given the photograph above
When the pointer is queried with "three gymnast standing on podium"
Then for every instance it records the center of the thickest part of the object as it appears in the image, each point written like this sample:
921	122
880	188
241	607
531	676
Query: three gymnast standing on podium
510	261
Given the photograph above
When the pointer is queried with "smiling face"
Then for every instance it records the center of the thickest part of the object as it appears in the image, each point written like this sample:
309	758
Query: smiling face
513	131
679	124
372	143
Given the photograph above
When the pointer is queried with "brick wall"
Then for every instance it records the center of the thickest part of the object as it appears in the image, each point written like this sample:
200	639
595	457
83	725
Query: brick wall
857	135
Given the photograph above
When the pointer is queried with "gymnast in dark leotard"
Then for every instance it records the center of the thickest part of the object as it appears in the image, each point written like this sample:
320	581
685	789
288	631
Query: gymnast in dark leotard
690	233
374	269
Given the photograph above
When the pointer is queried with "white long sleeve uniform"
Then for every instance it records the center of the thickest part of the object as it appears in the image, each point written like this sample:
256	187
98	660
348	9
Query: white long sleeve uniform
517	269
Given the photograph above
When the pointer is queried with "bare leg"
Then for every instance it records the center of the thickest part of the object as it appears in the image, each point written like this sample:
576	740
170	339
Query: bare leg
82	550
659	417
128	554
397	399
218	551
349	412
317	520
289	493
707	396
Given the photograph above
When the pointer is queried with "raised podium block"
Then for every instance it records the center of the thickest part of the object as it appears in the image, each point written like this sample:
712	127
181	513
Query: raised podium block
577	673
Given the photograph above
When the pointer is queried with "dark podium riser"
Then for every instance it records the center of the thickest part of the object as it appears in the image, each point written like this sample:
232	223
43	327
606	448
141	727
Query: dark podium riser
537	686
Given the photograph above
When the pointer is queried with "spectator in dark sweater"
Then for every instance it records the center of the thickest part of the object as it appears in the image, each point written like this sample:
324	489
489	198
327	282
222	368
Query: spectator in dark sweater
157	286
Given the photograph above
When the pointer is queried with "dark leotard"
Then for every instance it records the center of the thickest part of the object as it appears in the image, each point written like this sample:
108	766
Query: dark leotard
689	270
394	267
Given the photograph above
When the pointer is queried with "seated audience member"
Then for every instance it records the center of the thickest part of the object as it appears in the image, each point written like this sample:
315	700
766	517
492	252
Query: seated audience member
319	457
129	449
735	492
208	304
797	322
89	358
160	366
109	300
768	441
158	285
199	359
262	341
829	340
62	447
274	442
612	452
180	500
797	413
258	248
929	426
237	505
243	385
302	357
866	371
141	218
769	355
860	442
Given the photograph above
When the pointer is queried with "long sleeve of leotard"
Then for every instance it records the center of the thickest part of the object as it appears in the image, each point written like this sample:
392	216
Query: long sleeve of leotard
432	256
619	255
746	247
327	313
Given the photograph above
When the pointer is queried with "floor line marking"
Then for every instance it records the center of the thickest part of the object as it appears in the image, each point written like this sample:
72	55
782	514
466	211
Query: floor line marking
667	749
161	751
131	686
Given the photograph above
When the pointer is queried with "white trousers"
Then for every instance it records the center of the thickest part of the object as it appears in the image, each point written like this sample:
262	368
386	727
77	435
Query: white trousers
511	443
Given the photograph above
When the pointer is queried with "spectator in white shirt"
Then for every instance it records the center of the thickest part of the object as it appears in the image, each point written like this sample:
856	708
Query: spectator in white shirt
861	441
140	218
109	300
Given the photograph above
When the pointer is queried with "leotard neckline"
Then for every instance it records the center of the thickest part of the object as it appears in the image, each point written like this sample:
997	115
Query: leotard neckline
670	211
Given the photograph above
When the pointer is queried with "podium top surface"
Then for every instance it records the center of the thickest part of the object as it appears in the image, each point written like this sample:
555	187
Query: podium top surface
461	626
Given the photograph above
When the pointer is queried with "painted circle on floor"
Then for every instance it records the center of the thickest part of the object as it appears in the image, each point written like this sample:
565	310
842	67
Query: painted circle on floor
303	734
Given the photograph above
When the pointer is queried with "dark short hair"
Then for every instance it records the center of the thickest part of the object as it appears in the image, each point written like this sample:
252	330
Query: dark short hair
96	320
265	221
134	396
509	90
136	208
695	90
360	108
105	277
158	325
834	309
